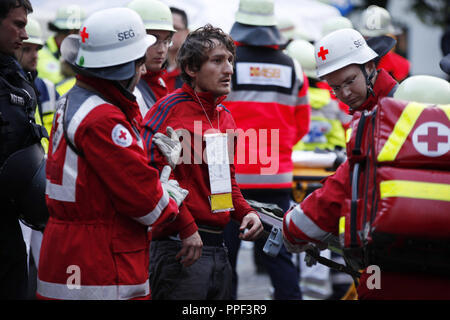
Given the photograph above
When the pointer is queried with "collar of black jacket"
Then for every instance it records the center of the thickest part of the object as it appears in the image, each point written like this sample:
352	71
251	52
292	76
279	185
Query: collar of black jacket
381	45
8	63
257	35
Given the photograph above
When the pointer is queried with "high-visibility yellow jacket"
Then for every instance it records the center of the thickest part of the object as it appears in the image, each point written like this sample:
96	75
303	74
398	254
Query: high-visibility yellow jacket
64	86
48	66
325	129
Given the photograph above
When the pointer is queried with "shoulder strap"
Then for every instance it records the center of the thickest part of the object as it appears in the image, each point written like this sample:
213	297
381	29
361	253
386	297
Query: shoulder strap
64	124
146	92
357	148
391	93
66	136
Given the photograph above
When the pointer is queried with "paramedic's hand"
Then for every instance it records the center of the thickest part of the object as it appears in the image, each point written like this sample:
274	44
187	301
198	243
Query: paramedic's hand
172	187
251	222
191	250
169	146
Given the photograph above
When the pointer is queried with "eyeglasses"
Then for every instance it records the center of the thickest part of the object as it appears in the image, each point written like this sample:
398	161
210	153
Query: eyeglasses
346	84
179	28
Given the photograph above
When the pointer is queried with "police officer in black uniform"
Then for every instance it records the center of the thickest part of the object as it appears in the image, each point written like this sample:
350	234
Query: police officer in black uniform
22	162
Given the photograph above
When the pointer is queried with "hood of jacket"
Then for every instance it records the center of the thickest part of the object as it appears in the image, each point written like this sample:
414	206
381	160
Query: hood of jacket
257	35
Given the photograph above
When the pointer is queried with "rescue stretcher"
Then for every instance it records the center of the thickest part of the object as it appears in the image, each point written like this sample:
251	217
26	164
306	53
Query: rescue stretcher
310	167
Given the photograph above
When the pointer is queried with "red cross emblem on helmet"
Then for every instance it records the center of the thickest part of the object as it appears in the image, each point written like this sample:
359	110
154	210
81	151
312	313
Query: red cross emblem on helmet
322	53
84	35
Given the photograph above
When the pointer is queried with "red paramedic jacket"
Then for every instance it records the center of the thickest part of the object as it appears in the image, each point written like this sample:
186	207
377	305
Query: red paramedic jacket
102	202
182	110
155	80
149	89
397	66
173	79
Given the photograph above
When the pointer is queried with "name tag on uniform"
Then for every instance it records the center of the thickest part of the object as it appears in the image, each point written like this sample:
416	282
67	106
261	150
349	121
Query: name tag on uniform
219	172
268	74
15	99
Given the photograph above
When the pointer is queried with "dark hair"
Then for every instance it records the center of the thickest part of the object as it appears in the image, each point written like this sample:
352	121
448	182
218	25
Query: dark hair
7	5
194	50
183	15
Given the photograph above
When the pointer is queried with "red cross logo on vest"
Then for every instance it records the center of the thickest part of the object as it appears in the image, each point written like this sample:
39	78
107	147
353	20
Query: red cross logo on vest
432	139
84	35
322	53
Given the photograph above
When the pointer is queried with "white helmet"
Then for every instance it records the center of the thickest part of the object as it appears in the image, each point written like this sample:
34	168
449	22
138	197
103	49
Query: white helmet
339	49
336	23
112	37
376	21
34	32
68	17
303	52
424	89
256	12
290	30
155	14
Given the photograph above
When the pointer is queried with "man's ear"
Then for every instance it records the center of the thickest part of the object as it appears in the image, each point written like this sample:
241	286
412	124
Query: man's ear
370	67
191	73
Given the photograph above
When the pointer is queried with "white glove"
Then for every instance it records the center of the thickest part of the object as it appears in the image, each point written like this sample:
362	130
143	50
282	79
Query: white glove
172	187
169	146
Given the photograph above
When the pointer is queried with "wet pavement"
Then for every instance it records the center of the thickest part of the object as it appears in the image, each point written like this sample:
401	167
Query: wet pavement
251	285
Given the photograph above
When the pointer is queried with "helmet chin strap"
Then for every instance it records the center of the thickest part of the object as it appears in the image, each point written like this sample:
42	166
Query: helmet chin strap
130	82
368	79
125	89
127	86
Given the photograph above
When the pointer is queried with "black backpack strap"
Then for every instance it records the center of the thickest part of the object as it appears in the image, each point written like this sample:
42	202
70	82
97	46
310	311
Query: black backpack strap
354	206
146	92
38	131
357	148
391	93
374	163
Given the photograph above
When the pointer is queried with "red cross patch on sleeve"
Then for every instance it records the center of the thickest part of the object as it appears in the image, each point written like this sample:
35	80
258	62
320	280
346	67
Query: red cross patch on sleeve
121	136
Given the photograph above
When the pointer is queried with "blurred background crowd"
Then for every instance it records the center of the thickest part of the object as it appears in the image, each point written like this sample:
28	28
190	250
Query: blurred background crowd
421	26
